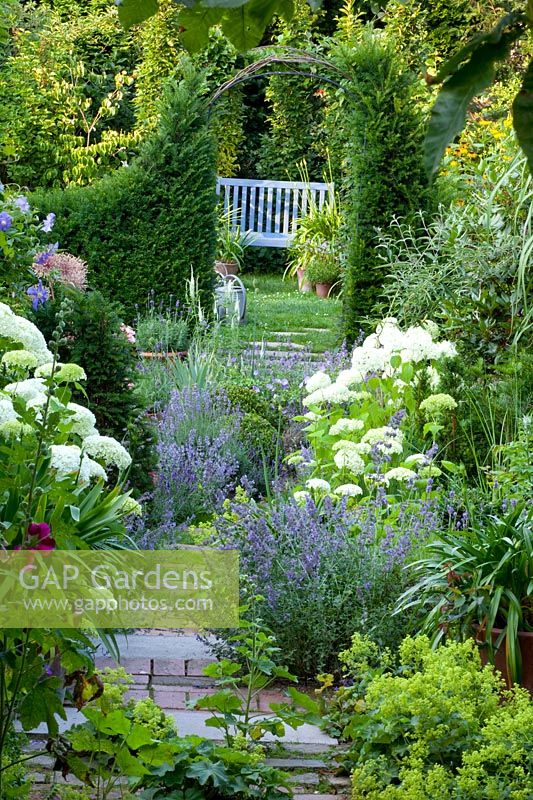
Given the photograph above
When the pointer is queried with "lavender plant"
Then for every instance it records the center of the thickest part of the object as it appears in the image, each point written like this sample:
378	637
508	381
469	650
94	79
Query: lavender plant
324	570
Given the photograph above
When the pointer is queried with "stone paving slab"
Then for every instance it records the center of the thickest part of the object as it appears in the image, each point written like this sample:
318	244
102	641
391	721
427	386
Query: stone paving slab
193	723
162	647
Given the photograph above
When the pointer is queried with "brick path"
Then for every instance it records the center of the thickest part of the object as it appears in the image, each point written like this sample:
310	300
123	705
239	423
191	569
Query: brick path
169	668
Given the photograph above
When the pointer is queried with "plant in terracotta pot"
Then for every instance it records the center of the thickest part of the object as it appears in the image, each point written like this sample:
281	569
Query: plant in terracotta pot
231	246
316	231
324	270
480	582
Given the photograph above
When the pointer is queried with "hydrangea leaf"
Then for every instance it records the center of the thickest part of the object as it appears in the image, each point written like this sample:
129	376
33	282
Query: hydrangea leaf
523	115
449	112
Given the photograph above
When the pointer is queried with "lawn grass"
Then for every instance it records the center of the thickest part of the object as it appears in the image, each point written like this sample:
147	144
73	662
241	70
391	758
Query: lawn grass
277	311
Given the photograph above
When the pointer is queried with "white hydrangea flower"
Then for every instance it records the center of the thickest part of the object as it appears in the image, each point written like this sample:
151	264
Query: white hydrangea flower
131	506
65	459
21	330
7	412
107	449
400	474
348	490
318	485
346	425
431	471
28	389
416	458
337	393
13	428
83	421
437	405
45	370
296	458
70	373
19	358
350	460
5	311
37	401
317	381
386	439
312	416
93	469
301	497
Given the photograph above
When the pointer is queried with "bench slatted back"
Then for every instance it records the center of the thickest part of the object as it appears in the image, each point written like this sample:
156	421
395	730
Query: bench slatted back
269	209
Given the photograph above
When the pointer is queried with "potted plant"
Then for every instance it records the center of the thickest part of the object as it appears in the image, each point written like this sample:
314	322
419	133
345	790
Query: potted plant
316	233
480	582
231	245
323	270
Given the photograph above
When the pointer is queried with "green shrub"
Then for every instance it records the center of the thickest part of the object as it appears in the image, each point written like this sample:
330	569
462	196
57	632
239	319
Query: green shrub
66	115
386	176
259	436
436	726
293	109
249	401
149	225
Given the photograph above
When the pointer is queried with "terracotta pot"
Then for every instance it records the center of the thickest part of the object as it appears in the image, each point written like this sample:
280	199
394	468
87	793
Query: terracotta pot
304	285
323	289
525	640
226	267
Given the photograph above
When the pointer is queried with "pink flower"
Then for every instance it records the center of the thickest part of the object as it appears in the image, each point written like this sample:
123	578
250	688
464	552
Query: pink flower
39	538
128	332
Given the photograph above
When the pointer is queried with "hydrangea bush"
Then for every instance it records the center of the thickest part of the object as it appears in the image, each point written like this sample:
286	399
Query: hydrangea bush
52	453
368	425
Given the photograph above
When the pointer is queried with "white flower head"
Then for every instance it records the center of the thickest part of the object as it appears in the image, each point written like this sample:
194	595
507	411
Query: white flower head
7	412
45	370
28	389
108	450
301	497
23	332
131	506
294	459
348	490
386	440
346	425
401	474
350	460
437	405
83	421
416	458
70	373
318	485
19	358
317	381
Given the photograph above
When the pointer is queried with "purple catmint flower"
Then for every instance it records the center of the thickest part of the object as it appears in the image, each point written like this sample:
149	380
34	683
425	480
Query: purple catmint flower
5	221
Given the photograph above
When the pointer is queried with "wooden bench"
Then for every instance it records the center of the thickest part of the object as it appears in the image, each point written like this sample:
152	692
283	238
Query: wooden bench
268	211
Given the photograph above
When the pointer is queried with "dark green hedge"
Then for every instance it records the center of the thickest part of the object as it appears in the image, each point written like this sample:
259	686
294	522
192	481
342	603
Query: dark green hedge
386	175
148	225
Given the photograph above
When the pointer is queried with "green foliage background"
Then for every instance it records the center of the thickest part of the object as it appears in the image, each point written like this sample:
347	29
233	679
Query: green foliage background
151	224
